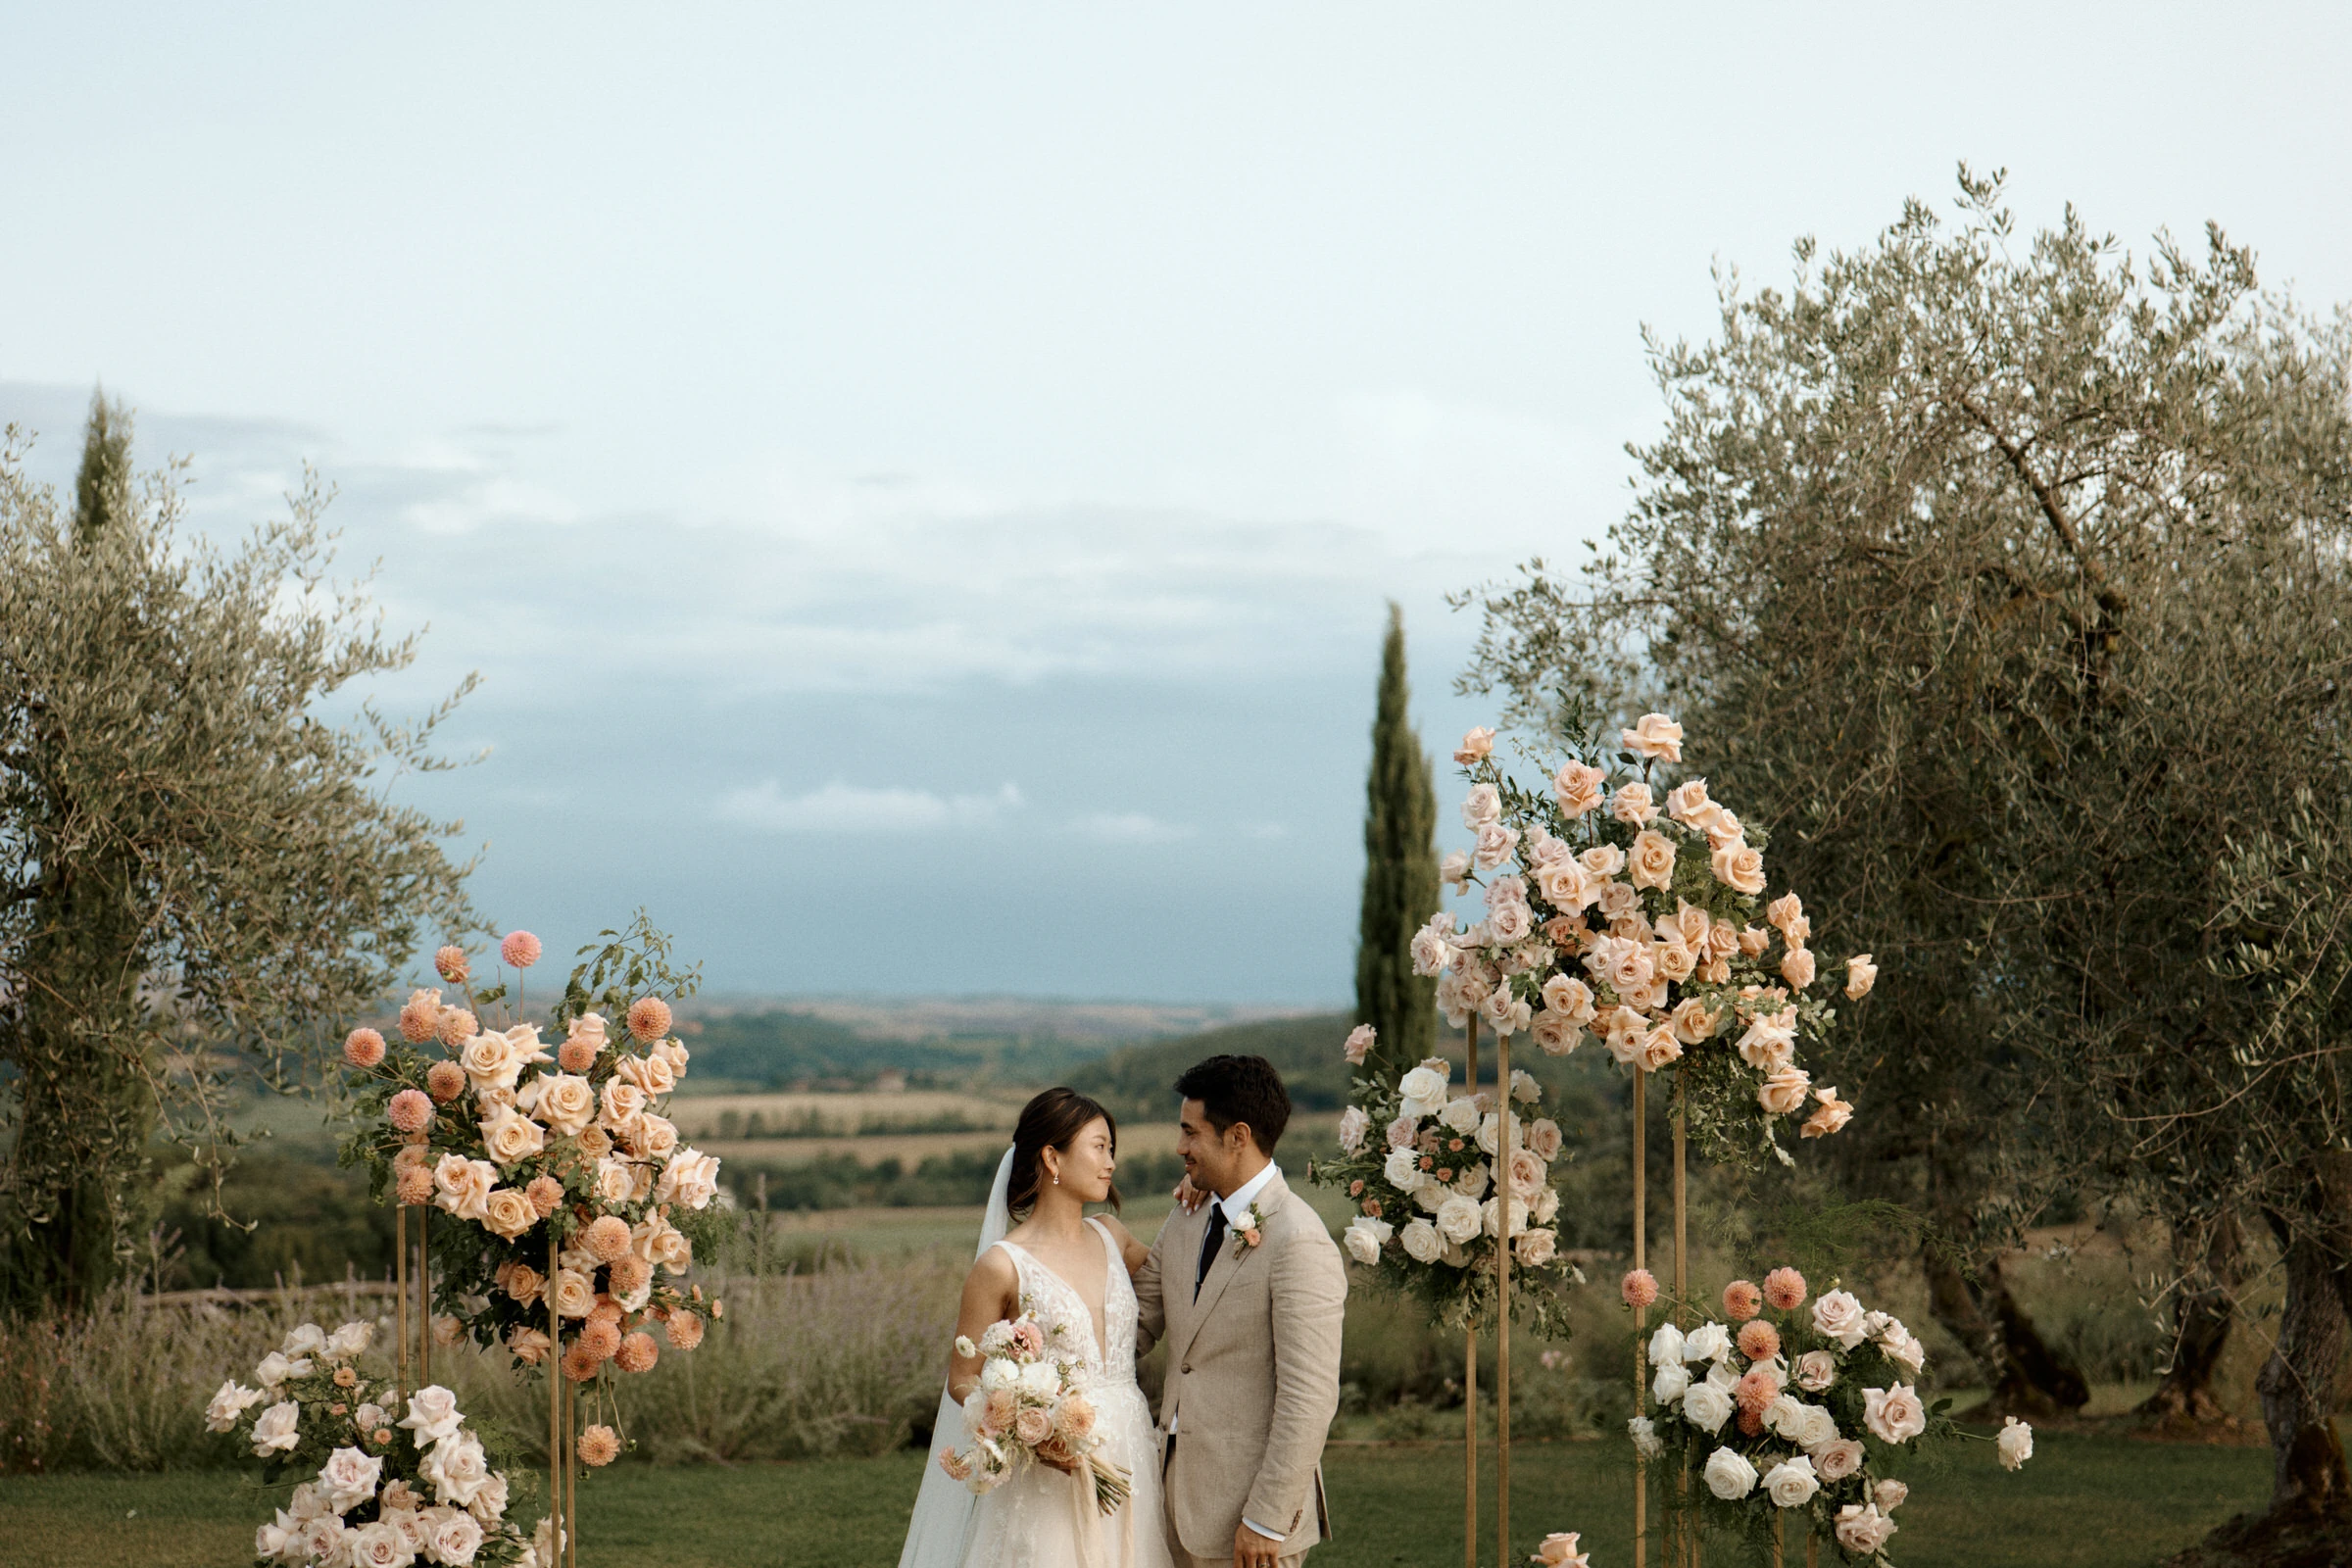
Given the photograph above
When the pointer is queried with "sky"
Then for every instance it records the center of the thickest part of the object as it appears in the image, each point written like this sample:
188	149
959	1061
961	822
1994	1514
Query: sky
922	484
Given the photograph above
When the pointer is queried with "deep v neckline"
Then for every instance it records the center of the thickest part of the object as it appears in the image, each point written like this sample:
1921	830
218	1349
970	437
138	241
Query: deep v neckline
1098	1319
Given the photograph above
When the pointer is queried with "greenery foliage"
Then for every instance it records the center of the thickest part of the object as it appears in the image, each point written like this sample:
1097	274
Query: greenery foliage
198	872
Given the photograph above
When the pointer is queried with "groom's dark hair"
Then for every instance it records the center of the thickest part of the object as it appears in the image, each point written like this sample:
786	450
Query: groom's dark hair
1243	1089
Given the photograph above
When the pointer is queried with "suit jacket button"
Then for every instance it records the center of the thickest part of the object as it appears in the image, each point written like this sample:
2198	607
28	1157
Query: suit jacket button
1186	1369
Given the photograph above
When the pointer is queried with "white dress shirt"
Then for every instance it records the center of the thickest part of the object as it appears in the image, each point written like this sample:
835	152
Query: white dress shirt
1236	1204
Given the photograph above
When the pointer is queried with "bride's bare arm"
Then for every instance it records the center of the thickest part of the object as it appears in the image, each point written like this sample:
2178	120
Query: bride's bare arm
992	1292
1132	1253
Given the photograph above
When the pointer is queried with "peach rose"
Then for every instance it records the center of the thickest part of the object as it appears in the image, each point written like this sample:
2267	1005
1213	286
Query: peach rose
1739	867
1860	975
1833	1115
1784	1092
1684	798
1894	1415
1544	1138
1673	960
1693	1022
1536	1247
1660	1049
1654	736
574	1294
1632	804
651	1073
1577	788
1796	967
520	1281
464	1186
510	1135
509	1214
1651	860
565	1103
1032	1427
528	1345
1477	744
1602	860
1753	939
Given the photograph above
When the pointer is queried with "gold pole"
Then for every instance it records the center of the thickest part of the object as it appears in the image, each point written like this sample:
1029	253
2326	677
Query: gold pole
1502	1303
400	1291
425	1296
555	1402
1682	1285
1470	1376
1777	1522
1812	1548
1640	1314
571	1475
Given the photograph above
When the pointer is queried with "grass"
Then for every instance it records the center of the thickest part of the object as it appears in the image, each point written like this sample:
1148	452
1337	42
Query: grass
2084	1502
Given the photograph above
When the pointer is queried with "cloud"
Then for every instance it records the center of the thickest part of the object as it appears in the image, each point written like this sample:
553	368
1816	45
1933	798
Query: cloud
840	809
1128	827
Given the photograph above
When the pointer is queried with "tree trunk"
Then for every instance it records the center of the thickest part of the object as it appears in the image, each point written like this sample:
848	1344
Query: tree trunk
2029	1377
2309	1523
2203	1313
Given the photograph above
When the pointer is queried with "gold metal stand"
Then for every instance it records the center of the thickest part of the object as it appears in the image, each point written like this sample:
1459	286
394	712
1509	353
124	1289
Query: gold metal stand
1640	1314
1502	1302
1470	1376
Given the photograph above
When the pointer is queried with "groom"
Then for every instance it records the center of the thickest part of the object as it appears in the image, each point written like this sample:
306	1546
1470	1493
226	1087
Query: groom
1248	1289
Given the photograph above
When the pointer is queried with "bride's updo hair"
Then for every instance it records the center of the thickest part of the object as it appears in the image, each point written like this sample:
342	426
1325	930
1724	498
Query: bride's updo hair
1051	1120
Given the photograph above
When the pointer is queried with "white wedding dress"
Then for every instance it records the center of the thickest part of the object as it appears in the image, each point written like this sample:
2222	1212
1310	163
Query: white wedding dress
1042	1518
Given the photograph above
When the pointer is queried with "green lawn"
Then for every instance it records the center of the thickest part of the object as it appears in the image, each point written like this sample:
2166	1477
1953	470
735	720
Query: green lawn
2082	1501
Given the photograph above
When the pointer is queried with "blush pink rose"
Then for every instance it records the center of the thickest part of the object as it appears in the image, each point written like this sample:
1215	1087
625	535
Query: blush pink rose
1032	1427
1654	736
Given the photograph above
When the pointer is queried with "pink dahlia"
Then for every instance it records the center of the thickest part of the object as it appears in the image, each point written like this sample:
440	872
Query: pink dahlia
363	1047
520	949
577	1055
601	1338
600	1445
457	1026
409	1111
1759	1341
608	1237
450	964
685	1330
1641	1288
416	1186
545	1192
649	1018
1785	1288
637	1352
446	1080
1742	1300
1756	1390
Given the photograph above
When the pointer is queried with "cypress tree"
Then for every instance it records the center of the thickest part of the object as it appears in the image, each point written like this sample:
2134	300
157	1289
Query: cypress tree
1401	869
102	489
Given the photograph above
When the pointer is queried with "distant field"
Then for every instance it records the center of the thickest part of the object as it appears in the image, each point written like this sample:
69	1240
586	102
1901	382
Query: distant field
861	1111
1312	1134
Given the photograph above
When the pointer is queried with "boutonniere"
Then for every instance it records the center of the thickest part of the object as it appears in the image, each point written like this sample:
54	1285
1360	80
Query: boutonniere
1248	1231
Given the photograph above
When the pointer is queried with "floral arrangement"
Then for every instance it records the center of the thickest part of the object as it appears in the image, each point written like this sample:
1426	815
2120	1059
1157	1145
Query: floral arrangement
538	1151
1431	1202
1622	908
388	1486
1030	1407
1783	1409
1558	1551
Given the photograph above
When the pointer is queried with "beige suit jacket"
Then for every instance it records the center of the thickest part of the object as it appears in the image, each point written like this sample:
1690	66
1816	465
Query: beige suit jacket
1253	1371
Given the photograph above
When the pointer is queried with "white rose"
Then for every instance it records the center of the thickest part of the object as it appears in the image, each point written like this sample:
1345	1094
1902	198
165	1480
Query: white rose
1903	1349
1537	1247
1894	1415
1459	1115
1402	1169
325	1541
1424	1091
1671	1384
1482	805
1364	1237
458	1469
1459	1219
277	1429
349	1478
1000	1372
306	1338
1709	1341
352	1338
1645	1433
274	1369
1784	1417
1835	1461
1355	1125
454	1539
1666	1346
1821	1427
690	1178
269	1540
1707	1407
379	1545
233	1401
490	1503
2016	1442
1729	1475
1547	1205
1862	1530
306	1503
1042	1379
1791	1484
1421	1242
432	1414
1723	1374
1839	1317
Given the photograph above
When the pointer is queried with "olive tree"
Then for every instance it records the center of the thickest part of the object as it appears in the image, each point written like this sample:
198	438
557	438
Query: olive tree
2005	582
200	870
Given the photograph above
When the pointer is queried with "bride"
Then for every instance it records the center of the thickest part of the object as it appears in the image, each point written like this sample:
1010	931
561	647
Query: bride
1065	1270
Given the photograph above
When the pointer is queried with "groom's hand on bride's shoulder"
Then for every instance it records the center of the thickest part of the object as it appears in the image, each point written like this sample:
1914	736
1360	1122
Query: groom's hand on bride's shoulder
1254	1550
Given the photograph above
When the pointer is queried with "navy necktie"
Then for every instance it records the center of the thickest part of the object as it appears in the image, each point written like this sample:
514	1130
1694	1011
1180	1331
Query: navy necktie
1208	1243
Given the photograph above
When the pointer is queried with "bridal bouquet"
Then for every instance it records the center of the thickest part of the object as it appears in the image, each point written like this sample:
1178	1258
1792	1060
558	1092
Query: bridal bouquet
391	1481
1782	1408
1425	1169
1031	1406
1623	910
536	1148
